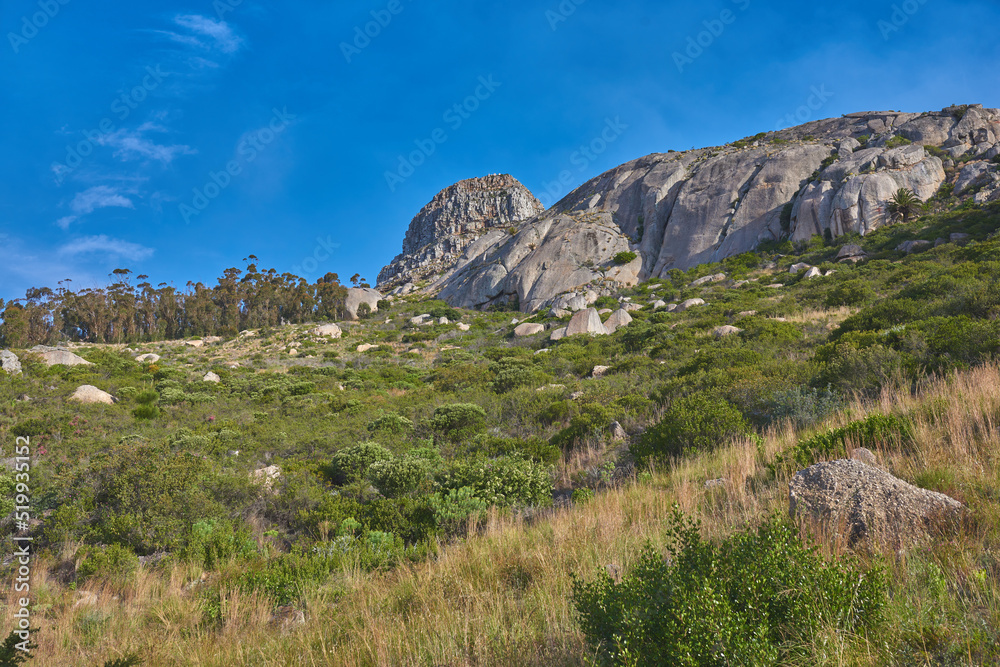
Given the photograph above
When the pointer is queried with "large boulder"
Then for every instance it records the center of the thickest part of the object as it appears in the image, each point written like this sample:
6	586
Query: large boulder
619	318
328	330
359	295
869	506
9	362
973	175
55	356
149	357
586	322
528	329
89	394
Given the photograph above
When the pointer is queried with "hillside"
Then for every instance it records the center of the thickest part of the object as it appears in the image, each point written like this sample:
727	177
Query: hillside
268	471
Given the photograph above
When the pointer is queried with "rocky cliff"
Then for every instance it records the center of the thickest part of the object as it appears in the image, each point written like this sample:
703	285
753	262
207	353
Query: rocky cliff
454	219
677	210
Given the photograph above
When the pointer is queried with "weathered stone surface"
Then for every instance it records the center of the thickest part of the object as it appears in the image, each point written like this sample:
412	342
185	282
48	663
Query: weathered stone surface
851	251
212	377
871	507
972	175
798	268
586	322
365	347
690	303
89	394
528	329
600	371
913	246
558	334
462	326
813	272
865	456
659	303
725	330
677	210
618	432
359	295
266	477
452	221
330	330
716	278
631	307
195	343
9	362
619	318
148	358
53	356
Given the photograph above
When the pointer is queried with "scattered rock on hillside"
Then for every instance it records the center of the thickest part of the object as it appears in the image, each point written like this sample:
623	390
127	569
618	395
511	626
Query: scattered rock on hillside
873	508
725	330
462	326
266	477
148	358
973	175
600	371
88	394
618	432
53	356
195	343
559	313
331	330
690	303
619	318
631	307
558	334
9	362
359	295
420	320
959	237
851	253
364	347
798	268
212	377
913	246
659	303
717	278
586	322
865	456
528	329
813	272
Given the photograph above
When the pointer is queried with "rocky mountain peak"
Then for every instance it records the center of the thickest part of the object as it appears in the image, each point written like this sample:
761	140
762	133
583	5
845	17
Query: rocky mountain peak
455	218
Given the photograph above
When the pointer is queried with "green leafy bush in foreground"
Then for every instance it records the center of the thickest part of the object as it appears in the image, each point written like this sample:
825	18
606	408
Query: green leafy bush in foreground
698	422
752	600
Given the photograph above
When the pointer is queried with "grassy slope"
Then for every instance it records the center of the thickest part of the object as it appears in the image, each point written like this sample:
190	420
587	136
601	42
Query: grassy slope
503	596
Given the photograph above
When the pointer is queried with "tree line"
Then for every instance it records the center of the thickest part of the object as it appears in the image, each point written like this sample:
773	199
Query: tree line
124	312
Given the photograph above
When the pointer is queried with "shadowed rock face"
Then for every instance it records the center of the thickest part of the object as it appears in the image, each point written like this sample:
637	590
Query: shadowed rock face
455	218
677	210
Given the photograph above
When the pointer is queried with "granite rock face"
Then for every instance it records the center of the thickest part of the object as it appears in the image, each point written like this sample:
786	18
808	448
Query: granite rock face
454	219
872	508
677	210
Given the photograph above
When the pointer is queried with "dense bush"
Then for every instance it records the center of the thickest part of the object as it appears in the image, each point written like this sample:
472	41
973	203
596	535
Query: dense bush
625	257
458	421
875	432
113	564
755	599
351	463
698	422
395	477
390	422
503	481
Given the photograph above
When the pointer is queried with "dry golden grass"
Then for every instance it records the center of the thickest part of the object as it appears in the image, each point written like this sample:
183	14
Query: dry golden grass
503	597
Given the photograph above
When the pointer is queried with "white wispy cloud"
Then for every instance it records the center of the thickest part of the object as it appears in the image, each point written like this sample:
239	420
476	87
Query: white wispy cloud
64	222
131	144
100	196
105	245
219	32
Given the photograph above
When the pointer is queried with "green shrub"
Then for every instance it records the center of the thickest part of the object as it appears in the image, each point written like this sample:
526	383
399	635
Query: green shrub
504	482
454	507
701	421
364	311
625	257
582	496
400	476
897	141
510	373
877	431
850	293
30	427
593	420
758	598
390	422
146	411
212	543
114	563
351	463
459	421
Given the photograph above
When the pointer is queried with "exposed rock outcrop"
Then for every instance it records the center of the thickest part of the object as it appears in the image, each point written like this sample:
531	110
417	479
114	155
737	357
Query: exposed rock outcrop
676	210
871	507
454	219
10	363
359	295
54	356
89	394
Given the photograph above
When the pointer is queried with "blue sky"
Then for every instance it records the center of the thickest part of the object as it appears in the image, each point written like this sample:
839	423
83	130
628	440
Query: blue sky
176	138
